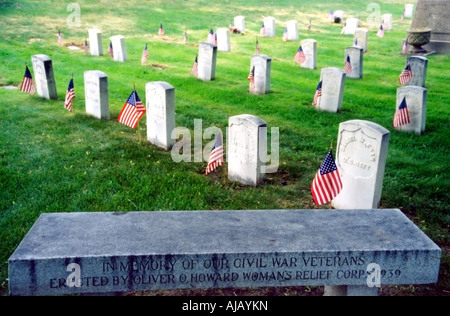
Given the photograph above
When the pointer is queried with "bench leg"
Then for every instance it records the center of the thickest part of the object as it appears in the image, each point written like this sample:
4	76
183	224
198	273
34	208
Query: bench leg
350	290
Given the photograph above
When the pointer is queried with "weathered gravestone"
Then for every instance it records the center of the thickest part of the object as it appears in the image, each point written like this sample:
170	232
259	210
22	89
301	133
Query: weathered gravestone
361	38
434	14
96	94
269	24
409	8
44	77
95	42
223	40
387	21
356	54
419	66
309	47
292	28
416	101
351	24
263	66
119	48
247	149
71	253
361	158
239	23
333	83
160	98
207	58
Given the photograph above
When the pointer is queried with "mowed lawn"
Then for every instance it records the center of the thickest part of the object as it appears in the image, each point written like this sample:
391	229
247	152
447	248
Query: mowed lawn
52	160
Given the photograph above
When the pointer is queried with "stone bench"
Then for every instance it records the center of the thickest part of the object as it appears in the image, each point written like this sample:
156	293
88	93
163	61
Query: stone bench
88	253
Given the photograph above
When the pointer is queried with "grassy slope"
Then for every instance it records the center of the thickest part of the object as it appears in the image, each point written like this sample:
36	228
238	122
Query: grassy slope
53	161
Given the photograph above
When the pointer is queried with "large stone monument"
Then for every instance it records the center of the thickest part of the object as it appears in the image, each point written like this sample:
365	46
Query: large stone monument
361	158
435	15
96	94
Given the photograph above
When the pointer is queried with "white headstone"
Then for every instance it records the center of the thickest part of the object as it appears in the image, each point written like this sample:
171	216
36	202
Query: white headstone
409	10
247	146
351	24
207	58
263	66
416	101
292	28
44	77
309	47
361	158
239	23
333	83
95	42
387	21
223	40
160	106
356	54
96	94
339	14
119	48
269	24
419	66
361	37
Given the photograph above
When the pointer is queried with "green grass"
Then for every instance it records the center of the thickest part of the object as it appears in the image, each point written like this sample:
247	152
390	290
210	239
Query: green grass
56	161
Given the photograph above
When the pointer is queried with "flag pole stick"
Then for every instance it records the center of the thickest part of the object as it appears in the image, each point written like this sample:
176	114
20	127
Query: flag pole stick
138	124
331	148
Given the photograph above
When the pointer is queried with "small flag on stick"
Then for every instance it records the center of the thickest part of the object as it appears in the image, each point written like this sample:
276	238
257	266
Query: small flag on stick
216	156
300	56
161	30
110	50
258	49
27	85
194	69
86	47
318	93
401	116
132	111
251	78
327	183
406	75
285	35
70	95
348	66
380	32
60	40
144	57
263	31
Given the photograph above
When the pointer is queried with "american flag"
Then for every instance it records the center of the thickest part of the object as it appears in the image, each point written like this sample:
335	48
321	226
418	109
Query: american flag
110	50
380	32
258	49
318	93
211	38
348	66
161	30
406	75
144	55
215	39
251	78
405	47
216	156
300	56
85	47
327	183
60	40
262	32
194	69
185	39
331	16
132	111
70	95
401	116
309	25
343	28
356	42
27	82
285	35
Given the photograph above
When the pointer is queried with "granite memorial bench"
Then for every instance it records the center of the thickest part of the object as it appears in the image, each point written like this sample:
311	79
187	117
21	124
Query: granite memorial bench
352	250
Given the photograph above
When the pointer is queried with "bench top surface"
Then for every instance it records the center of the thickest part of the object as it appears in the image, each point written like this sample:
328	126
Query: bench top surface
203	232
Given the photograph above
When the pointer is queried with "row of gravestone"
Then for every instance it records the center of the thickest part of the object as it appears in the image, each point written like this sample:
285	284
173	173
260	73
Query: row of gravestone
361	155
